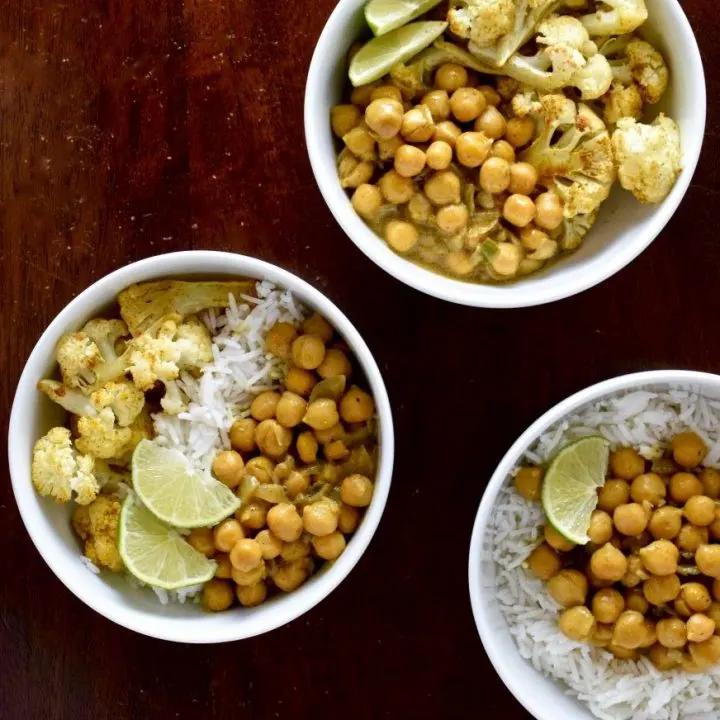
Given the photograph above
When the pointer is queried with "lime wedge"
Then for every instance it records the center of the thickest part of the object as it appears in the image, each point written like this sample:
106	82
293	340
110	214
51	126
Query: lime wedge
376	57
385	15
176	493
155	553
569	493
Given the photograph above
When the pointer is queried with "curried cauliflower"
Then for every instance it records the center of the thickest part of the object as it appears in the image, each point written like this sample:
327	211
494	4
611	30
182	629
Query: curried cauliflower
616	17
648	157
71	400
620	102
78	357
58	470
566	30
573	230
125	400
636	62
100	437
482	21
97	526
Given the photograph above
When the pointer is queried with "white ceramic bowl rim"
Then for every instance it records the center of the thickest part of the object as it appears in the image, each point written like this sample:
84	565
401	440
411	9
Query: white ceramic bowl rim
480	597
218	627
523	293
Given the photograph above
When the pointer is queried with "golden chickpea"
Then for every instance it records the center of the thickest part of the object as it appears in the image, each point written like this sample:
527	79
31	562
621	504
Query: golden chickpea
343	118
224	567
661	590
472	149
577	623
387	91
322	414
417	124
665	523
622	653
360	143
292	576
217	595
660	558
648	487
273	439
544	562
317	325
506	259
321	518
349	519
242	435
601	527
528	482
696	596
602	635
264	404
689	449
681	608
710	479
491	123
608	563
356	490
227	534
672	633
270	546
366	200
307	447
401	236
491	95
607	604
308	352
249	577
459	263
296	483
635	600
384	116
285	522
353	172
568	588
707	558
714	527
713	612
683	486
700	510
520	131
665	659
335	363
555	540
699	628
395	188
706	653
246	555
261	468
532	238
626	464
202	540
279	338
228	467
443	188
630	519
253	515
447	132
451	218
612	494
362	94
634	544
690	538
467	103
635	573
329	547
450	77
336	432
630	630
519	210
495	175
290	409
549	211
503	149
409	161
439	104
296	550
251	595
356	406
300	381
439	155
388	148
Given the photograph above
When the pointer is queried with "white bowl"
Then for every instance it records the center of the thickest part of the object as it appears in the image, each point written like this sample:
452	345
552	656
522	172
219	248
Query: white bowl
543	697
624	227
48	523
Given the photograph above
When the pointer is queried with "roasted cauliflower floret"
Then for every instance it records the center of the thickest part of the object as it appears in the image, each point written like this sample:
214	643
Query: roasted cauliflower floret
123	398
482	21
566	30
637	62
573	230
71	400
616	17
100	437
195	344
58	470
648	157
97	525
78	357
622	101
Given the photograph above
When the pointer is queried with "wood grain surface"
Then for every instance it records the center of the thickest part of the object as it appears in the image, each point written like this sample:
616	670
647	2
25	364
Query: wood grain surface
133	128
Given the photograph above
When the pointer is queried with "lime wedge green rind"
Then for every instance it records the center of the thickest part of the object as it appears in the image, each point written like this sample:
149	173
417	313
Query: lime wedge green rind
176	493
385	15
569	493
379	55
156	554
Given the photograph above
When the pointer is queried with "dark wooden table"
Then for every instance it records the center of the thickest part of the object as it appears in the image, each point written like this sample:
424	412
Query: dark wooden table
134	128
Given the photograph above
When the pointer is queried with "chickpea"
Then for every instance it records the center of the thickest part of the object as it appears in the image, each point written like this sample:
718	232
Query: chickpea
622	653
227	534
491	123
409	161
577	623
246	554
292	576
707	558
700	510
279	338
630	630
317	325
284	522
495	175
689	449
472	149
635	544
568	588
601	527
439	155
710	479
290	409
253	515
217	595
557	541
251	595
506	259
626	463
532	238
706	653
242	435
249	577
438	103
528	483
467	103
300	381
690	538
523	178
607	604
296	483
635	573
648	487
714	528
660	558
699	628
683	486
307	447
261	468
273	439
384	116
503	149
388	148
228	467
650	634
356	490
672	633
395	188
387	91
681	608
635	600
665	659
336	432
450	77
308	352
630	519
360	143
520	131
417	124
329	547
202	540
322	414
366	200
661	590
343	118
270	546
602	635
612	494
491	95
608	563
549	211
349	519
362	94
296	550
321	518
519	210
356	406
665	523
451	218
544	562
447	132
264	404
713	612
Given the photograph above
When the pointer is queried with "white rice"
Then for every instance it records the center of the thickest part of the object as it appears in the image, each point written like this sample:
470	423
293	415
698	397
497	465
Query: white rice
612	689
